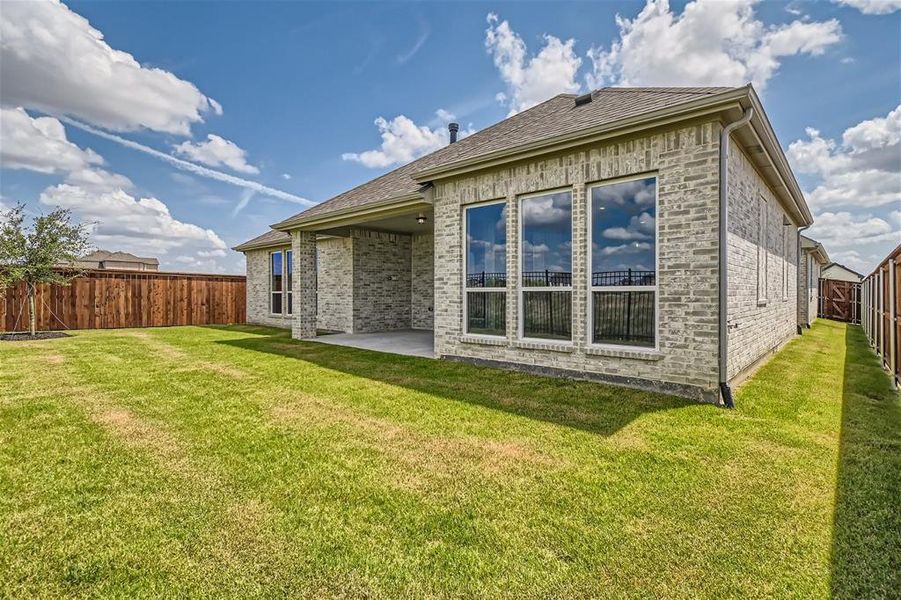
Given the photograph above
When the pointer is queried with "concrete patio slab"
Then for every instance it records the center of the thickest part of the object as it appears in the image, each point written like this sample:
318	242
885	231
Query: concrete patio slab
410	342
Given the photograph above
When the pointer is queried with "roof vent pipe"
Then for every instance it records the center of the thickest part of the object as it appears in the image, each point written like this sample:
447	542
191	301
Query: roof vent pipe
583	99
453	128
725	392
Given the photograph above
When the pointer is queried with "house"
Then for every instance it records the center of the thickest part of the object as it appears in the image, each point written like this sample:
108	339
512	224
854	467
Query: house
583	237
813	260
103	259
837	272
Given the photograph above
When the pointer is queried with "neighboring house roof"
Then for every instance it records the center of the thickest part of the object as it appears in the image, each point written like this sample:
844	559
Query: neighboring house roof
269	239
105	255
550	119
844	268
816	249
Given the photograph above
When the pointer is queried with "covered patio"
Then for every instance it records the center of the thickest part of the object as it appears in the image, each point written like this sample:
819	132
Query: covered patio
373	276
408	342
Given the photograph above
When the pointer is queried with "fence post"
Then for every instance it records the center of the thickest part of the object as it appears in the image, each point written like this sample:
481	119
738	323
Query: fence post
893	315
863	308
873	307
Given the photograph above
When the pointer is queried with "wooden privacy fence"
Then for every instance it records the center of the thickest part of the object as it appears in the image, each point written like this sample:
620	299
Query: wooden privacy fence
880	307
109	299
839	300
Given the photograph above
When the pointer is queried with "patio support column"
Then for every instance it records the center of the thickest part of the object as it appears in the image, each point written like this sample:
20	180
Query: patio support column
303	324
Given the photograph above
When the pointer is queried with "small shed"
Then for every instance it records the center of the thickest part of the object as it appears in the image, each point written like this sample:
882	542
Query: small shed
838	272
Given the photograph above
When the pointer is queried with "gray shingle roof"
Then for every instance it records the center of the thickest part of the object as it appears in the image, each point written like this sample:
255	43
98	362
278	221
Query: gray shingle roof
102	255
268	239
558	116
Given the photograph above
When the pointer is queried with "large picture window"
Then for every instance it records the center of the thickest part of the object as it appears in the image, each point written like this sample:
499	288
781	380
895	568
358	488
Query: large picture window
289	279
546	266
623	258
486	269
276	282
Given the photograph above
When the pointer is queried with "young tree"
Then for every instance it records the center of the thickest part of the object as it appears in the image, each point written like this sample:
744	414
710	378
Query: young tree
44	253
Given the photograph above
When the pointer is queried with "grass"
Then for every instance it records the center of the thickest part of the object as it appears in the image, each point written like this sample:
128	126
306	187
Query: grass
237	462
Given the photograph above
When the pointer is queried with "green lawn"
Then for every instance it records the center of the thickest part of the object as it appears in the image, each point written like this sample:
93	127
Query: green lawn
237	462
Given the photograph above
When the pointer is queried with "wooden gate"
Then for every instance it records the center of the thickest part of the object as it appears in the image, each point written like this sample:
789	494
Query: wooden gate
839	300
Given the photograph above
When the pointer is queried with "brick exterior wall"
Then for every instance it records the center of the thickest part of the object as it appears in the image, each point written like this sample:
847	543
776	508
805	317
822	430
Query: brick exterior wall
258	290
303	325
759	320
382	281
334	299
686	163
807	294
422	301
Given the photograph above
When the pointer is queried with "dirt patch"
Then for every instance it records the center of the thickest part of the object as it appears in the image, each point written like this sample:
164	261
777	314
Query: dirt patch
55	358
421	455
187	363
135	431
27	337
157	345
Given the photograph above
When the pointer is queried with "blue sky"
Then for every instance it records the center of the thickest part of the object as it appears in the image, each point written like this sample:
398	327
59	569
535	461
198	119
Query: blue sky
292	92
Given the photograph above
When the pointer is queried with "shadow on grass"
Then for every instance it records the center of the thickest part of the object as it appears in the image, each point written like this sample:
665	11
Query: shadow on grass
596	408
866	543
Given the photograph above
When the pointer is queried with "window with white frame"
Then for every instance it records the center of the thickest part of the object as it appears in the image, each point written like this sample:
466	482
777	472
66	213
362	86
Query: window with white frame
276	282
289	280
762	253
623	260
485	297
545	266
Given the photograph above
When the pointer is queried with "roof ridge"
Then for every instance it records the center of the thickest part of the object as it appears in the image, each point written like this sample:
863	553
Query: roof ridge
424	157
669	90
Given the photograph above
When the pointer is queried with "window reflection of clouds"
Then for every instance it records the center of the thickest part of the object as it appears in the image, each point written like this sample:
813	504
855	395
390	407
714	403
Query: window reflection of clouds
623	226
486	237
547	232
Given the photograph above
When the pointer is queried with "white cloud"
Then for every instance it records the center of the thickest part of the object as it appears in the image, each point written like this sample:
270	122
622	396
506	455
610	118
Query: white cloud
872	7
56	62
99	180
712	42
404	141
286	177
39	144
189	166
547	210
858	241
531	80
143	226
217	151
633	248
857	194
641	227
863	171
846	230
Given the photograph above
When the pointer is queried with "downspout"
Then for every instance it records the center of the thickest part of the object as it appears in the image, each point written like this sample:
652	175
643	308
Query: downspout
725	392
798	271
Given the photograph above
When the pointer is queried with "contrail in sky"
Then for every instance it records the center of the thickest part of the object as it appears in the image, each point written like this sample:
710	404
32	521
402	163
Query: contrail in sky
189	166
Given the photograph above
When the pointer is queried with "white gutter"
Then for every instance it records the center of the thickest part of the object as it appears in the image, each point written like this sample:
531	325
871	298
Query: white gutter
725	392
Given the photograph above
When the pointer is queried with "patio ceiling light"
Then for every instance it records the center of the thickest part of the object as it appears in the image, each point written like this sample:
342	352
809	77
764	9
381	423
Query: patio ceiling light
421	219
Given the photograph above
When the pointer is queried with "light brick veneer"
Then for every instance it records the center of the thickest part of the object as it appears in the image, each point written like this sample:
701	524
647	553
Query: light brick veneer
303	325
258	290
807	294
334	299
423	282
381	281
686	162
756	327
